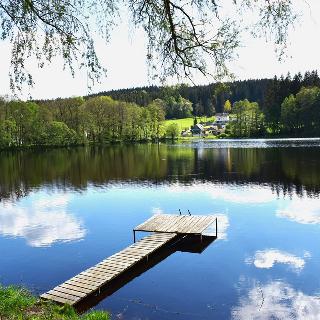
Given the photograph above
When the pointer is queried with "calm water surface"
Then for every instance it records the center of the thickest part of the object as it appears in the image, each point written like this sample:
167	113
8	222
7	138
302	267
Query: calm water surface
62	211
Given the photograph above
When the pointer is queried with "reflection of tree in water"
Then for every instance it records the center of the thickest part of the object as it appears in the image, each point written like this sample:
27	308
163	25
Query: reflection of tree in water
285	170
302	168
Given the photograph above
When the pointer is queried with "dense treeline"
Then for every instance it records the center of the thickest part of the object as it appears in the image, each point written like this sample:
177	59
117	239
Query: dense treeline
76	121
174	102
285	106
281	88
207	99
297	116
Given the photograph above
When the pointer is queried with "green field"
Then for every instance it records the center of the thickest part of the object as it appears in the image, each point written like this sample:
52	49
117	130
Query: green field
186	123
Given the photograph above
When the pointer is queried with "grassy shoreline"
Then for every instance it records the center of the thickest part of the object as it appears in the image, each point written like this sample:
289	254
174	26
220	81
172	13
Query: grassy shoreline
17	303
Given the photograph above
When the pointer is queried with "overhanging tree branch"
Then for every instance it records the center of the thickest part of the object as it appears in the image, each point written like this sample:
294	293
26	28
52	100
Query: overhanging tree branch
183	36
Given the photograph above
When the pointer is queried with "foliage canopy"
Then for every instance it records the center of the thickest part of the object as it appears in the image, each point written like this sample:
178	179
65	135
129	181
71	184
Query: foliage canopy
182	36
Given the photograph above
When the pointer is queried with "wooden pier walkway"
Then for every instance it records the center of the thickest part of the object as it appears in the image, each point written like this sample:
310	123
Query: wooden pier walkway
165	227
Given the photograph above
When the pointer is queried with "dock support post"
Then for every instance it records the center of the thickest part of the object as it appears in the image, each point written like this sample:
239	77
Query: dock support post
216	227
134	236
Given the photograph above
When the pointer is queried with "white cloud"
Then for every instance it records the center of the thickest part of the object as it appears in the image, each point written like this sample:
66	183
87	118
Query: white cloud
277	300
45	222
244	194
267	258
305	211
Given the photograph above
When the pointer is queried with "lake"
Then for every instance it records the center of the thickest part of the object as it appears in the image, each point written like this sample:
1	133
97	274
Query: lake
64	210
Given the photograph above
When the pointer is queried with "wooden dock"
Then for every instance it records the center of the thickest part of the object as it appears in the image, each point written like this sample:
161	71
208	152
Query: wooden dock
178	224
165	228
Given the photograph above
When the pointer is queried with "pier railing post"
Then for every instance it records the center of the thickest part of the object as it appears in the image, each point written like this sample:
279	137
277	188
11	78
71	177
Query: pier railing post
134	236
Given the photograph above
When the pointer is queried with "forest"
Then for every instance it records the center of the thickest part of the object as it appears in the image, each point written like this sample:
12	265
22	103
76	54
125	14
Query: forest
286	106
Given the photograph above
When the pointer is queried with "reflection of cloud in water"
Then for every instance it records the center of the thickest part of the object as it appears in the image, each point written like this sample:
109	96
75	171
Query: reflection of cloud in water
243	194
305	211
267	258
44	223
277	300
157	211
223	224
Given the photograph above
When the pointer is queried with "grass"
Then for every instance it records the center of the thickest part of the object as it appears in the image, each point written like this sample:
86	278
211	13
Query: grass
186	123
19	304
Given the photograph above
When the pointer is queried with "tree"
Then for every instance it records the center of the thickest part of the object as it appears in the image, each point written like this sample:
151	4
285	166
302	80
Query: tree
300	114
25	116
227	106
248	120
178	107
98	117
60	135
7	134
272	105
289	114
211	110
198	109
173	131
182	36
157	116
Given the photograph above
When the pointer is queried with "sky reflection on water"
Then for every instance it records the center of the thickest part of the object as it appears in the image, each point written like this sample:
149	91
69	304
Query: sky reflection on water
264	266
42	221
266	259
276	300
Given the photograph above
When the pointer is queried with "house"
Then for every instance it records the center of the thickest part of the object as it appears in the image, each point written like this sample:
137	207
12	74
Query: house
197	129
216	129
213	130
222	118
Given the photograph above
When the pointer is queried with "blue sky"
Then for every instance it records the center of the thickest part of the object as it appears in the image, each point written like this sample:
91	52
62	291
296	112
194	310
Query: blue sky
124	58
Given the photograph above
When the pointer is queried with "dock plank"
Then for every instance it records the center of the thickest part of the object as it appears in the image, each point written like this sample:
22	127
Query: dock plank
81	283
89	281
69	297
70	291
75	288
59	299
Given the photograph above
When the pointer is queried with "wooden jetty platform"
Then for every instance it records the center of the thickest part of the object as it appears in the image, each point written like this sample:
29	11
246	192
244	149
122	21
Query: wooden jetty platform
178	224
165	229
